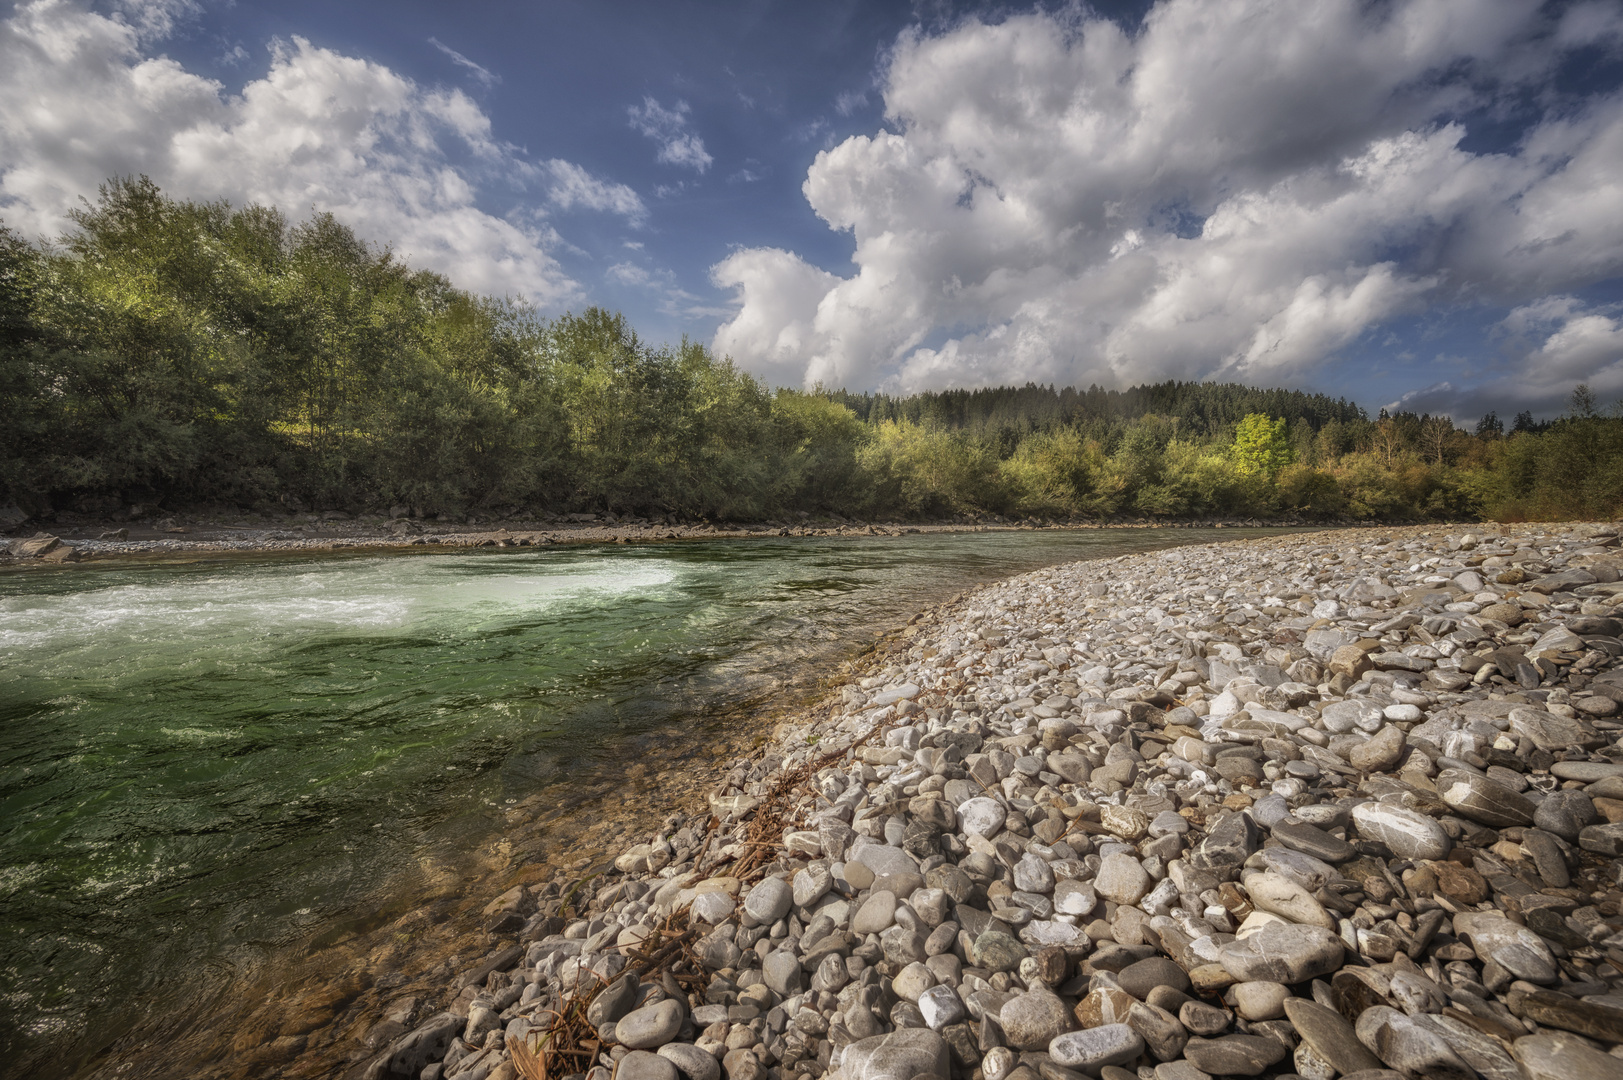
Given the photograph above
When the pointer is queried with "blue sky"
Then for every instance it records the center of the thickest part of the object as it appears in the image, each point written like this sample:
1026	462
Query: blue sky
1412	201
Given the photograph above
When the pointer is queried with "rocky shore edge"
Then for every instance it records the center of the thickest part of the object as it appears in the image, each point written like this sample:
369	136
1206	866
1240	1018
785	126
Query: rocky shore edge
1333	804
34	545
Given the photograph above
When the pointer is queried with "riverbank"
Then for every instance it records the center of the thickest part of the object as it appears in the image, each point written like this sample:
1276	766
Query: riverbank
1317	804
47	544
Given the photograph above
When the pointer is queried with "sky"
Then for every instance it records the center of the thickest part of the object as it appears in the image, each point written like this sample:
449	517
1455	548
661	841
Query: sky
1412	204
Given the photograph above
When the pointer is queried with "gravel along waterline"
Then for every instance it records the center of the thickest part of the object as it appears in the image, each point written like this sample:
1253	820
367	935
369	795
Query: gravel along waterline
1348	805
212	766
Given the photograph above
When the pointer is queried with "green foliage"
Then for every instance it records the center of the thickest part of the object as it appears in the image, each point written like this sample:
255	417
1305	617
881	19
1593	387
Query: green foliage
1261	445
177	352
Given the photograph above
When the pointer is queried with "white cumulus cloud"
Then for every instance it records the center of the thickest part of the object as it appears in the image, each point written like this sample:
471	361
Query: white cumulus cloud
83	98
1237	189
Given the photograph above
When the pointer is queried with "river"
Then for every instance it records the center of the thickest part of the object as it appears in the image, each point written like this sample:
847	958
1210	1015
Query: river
215	768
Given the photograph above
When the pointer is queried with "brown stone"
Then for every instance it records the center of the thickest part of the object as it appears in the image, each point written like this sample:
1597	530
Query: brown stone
1351	661
1106	1005
1461	884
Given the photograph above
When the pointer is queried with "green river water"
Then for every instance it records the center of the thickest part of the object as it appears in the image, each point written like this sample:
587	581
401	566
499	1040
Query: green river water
208	761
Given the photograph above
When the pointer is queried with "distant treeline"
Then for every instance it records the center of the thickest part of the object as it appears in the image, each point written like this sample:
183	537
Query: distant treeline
178	354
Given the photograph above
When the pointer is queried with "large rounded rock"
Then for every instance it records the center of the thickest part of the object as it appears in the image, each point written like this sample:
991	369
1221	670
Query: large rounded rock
641	1065
1145	975
1380	752
1483	800
899	1055
692	1062
1233	1055
876	914
982	817
769	901
1282	952
1033	1020
1409	833
649	1027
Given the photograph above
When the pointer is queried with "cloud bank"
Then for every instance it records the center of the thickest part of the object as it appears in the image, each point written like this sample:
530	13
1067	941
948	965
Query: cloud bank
1238	189
82	98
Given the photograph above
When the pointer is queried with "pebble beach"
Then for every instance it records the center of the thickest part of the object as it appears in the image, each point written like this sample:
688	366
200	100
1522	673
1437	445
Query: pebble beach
1318	805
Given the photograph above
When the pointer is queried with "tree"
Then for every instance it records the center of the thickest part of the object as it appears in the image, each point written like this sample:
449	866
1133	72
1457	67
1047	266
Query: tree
1436	432
1261	445
1490	426
1582	402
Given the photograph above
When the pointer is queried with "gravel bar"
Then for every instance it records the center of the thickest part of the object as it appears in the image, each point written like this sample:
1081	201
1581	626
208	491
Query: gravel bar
1333	804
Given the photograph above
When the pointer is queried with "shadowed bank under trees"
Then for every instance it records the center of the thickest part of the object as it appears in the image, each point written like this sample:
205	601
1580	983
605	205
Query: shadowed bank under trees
178	354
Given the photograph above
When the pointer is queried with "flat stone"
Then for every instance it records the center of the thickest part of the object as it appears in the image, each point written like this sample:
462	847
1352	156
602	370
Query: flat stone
1515	948
1410	1047
1483	800
1178	1070
1565	813
1203	1019
1034	1019
1162	1033
1307	871
1548	731
692	1062
1260	1000
1139	978
1282	952
1234	1055
1122	879
714	908
1330	1035
1281	896
1558	1055
1570	1014
898	1055
1092	1050
1075	897
1603	839
811	884
1312	841
1341	717
1586	771
651	1026
1033	875
1409	833
783	974
882	859
769	901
